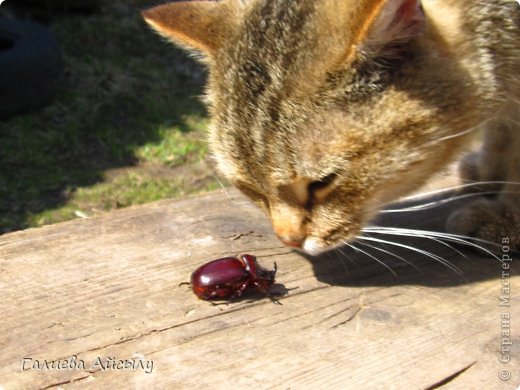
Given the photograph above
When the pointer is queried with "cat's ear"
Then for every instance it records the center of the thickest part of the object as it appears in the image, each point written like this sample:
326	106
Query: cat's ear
200	25
388	23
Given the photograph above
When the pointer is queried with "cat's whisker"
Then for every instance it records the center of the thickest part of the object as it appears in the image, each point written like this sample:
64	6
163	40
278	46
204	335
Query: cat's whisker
347	257
221	185
458	188
511	120
415	232
451	136
228	196
433	256
437	203
464	240
371	256
439	241
379	206
343	263
388	253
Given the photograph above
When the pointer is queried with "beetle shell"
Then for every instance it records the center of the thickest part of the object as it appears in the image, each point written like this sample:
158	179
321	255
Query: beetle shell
228	277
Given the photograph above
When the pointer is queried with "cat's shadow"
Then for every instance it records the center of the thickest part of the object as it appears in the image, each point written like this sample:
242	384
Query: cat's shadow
403	260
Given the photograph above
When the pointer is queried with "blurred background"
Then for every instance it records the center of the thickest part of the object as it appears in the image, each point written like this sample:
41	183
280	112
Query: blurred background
121	122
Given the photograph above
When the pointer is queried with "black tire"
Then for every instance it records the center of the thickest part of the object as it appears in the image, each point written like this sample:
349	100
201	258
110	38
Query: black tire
30	66
73	5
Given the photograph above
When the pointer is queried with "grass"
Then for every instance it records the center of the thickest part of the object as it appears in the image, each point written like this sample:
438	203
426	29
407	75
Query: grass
126	128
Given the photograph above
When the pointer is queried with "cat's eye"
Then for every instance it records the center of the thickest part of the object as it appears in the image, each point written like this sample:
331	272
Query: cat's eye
319	189
321	184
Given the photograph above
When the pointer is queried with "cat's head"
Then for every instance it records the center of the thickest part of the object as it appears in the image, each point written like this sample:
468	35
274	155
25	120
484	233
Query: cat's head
325	110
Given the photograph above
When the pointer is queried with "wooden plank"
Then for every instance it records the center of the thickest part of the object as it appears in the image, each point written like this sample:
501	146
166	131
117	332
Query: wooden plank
108	287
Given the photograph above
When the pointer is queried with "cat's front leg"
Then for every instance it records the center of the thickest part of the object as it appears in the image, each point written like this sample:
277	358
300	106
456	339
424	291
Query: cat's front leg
492	220
496	172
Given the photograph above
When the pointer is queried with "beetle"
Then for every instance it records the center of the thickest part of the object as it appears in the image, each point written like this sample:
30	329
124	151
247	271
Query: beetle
228	277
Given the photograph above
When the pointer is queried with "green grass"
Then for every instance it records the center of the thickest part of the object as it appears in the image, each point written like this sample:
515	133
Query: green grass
175	147
126	128
127	188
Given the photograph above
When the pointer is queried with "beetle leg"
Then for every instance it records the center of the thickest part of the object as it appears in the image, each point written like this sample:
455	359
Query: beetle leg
217	292
240	290
260	287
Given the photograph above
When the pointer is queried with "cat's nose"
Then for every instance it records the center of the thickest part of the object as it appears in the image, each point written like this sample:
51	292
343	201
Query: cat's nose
288	224
292	241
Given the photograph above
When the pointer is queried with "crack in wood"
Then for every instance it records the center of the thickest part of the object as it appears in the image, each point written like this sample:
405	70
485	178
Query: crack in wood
359	308
192	338
275	254
52	385
240	235
80	337
449	378
321	308
336	313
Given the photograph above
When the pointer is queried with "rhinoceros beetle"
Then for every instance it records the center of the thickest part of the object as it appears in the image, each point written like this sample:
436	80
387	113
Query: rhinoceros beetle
228	277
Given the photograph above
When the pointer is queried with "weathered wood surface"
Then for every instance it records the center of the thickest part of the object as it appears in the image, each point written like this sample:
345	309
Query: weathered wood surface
109	287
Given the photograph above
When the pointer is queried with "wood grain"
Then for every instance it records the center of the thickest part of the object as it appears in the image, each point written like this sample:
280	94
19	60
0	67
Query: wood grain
109	287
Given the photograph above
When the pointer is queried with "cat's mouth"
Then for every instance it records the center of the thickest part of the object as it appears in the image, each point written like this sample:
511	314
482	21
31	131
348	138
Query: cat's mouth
316	245
313	236
311	246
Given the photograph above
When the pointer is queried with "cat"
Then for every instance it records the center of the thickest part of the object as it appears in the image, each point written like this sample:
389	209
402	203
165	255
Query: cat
323	111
